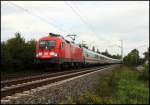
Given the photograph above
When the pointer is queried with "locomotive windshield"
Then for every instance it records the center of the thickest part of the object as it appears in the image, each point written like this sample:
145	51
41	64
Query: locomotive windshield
47	44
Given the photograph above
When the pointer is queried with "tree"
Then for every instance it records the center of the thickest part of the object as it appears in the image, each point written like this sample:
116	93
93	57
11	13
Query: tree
6	59
106	53
146	55
17	54
17	46
116	56
29	53
132	59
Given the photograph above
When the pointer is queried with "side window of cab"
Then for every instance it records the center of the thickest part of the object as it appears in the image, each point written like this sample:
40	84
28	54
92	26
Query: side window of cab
62	44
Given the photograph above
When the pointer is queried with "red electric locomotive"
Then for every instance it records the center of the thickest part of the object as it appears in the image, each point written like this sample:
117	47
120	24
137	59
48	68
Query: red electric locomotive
56	51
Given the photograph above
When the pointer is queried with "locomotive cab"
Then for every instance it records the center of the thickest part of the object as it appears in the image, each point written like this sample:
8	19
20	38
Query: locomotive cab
48	48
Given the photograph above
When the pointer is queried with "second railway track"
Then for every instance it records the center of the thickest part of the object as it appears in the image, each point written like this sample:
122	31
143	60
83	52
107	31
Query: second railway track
22	84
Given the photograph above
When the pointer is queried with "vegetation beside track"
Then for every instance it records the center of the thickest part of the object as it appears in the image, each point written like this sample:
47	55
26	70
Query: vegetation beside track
124	86
17	54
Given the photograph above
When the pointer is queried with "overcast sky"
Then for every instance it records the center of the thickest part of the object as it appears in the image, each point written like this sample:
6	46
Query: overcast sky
99	23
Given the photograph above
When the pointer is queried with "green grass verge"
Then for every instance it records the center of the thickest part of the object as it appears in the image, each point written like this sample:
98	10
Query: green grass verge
123	86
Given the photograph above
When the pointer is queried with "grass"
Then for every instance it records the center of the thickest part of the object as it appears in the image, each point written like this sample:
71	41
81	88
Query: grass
131	89
123	86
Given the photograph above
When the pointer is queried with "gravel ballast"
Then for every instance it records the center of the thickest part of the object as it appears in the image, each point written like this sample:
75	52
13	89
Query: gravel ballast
59	92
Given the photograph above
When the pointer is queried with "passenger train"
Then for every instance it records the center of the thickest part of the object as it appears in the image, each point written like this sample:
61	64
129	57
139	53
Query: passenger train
54	50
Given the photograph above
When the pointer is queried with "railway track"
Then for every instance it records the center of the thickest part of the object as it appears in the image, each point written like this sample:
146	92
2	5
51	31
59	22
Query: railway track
18	85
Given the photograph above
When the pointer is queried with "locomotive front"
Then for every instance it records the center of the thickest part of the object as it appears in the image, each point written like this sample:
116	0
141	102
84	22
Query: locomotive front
47	50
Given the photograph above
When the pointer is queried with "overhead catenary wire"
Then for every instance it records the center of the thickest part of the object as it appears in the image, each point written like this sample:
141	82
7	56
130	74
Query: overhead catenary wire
85	19
37	16
92	27
52	19
80	17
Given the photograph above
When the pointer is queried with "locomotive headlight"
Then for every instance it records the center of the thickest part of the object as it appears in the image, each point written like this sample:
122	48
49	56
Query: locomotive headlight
53	54
37	55
40	54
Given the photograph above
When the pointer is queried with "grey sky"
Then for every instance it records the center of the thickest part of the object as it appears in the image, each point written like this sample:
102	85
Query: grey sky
109	21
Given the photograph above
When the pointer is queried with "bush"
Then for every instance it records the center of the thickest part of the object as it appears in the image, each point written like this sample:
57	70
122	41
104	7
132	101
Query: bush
130	89
16	54
145	73
90	98
122	87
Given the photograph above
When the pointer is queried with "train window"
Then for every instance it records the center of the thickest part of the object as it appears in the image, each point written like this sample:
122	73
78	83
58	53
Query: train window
47	44
62	45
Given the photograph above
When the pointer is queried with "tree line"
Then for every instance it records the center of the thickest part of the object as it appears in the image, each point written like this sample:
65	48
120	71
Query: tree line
106	53
133	58
17	54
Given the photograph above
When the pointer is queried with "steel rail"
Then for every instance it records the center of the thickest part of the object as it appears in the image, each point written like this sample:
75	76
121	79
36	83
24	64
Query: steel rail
33	78
27	86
